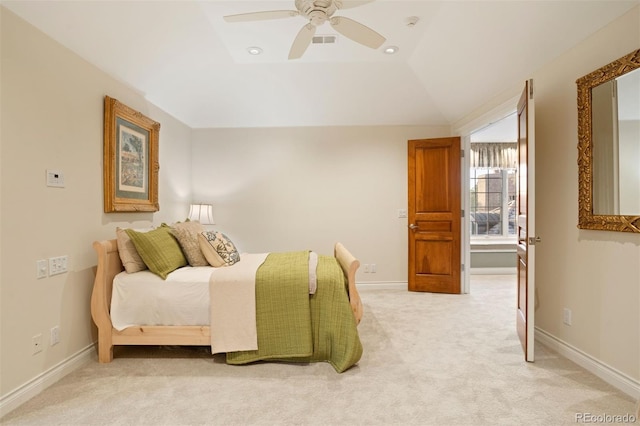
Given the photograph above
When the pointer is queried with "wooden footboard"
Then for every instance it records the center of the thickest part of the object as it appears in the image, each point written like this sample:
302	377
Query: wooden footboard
350	265
109	265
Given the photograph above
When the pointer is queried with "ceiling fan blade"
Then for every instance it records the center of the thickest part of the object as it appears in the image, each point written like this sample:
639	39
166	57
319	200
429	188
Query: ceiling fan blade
302	41
348	4
357	32
261	16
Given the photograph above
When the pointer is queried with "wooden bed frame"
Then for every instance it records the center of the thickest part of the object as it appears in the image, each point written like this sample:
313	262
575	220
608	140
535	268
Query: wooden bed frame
109	265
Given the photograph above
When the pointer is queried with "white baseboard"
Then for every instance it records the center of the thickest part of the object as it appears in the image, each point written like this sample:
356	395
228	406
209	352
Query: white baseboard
22	394
493	271
403	285
607	373
382	285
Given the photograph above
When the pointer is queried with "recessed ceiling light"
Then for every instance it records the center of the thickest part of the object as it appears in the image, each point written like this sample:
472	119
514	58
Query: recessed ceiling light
254	50
390	50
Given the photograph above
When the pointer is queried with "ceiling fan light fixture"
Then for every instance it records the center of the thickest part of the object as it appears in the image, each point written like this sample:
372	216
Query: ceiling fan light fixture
254	50
390	50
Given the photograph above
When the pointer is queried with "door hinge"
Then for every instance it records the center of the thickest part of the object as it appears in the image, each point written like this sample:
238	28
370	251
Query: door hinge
462	267
462	213
462	153
530	88
534	240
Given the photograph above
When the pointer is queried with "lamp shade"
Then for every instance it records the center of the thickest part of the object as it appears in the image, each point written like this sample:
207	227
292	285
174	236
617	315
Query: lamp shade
203	213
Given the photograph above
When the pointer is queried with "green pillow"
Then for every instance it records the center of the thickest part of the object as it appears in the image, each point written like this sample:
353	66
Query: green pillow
159	250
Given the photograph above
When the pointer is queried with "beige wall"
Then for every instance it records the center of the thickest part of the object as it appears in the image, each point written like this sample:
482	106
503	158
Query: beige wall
52	119
306	188
596	274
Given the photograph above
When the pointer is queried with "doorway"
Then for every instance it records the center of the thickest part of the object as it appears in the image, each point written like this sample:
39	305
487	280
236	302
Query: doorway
489	194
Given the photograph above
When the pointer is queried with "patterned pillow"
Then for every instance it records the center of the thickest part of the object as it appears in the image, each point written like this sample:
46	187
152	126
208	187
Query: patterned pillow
218	248
129	256
187	235
159	250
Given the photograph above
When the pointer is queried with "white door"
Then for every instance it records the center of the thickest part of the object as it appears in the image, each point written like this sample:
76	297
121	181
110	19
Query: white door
466	204
526	228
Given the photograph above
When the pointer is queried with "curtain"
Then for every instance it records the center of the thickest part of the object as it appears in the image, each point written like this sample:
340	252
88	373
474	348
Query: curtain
496	155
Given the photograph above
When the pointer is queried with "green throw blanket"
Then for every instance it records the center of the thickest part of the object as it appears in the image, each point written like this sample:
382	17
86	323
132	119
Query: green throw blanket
294	326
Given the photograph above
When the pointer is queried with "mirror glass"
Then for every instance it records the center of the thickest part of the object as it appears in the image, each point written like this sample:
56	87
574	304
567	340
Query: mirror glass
609	146
616	145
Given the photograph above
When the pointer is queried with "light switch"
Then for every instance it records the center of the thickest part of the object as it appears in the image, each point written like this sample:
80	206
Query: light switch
41	268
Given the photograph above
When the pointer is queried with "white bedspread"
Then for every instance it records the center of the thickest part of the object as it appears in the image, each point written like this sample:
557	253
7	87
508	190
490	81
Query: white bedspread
143	298
233	305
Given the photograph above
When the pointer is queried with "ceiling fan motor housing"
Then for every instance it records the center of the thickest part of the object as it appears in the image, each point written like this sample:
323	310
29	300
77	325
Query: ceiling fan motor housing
318	11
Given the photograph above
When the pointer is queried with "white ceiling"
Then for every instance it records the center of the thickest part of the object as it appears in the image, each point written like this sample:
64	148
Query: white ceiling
188	61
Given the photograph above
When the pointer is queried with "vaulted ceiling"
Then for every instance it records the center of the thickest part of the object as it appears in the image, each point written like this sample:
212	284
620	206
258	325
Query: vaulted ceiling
186	59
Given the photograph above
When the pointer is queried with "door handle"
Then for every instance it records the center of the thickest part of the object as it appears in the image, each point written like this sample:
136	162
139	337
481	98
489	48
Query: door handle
413	226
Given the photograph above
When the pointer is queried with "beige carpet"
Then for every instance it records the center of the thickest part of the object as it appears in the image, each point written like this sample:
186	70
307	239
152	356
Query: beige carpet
429	359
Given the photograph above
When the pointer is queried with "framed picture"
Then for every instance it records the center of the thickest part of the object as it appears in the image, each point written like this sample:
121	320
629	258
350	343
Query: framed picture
130	159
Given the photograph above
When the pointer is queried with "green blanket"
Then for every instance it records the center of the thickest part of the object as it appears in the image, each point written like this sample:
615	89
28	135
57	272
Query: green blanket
294	326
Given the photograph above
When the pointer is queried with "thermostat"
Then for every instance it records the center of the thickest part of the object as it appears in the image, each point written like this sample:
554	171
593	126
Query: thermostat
55	178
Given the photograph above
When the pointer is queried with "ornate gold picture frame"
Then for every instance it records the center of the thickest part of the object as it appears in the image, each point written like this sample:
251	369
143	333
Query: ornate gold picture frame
587	219
130	159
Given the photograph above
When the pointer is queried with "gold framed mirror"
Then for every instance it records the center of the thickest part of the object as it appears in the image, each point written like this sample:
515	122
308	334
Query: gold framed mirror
609	146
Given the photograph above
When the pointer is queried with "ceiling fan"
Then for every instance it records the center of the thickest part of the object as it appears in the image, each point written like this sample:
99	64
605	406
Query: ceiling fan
318	12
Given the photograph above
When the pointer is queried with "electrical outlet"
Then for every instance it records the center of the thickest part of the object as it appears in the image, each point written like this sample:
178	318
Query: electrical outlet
366	268
41	268
36	344
566	318
55	336
58	265
373	268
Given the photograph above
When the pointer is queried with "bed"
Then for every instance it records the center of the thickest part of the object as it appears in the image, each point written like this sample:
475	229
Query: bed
344	353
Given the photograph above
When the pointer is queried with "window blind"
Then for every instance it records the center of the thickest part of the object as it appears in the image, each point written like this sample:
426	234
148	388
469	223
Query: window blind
495	155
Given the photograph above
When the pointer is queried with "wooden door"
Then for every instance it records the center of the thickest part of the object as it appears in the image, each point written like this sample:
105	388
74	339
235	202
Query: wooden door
526	221
434	215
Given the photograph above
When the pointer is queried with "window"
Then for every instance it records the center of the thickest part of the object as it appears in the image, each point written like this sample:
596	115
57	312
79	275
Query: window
493	189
